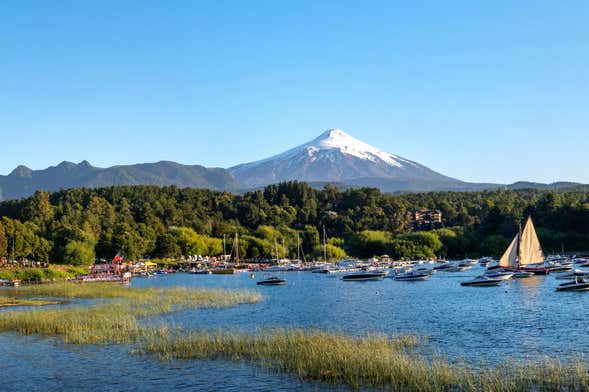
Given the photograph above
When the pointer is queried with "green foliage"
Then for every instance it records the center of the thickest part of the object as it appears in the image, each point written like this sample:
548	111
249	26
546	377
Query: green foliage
191	243
140	221
79	253
334	253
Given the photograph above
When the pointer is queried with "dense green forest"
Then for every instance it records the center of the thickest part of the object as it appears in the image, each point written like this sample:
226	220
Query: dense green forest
75	226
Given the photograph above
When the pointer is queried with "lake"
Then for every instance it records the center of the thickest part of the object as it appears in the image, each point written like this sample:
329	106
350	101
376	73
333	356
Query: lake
523	319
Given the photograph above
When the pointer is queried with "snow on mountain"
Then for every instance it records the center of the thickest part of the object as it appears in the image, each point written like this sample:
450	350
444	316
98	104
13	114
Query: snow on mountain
336	156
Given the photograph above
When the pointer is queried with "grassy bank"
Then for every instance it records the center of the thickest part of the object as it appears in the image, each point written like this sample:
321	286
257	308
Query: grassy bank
373	360
112	319
50	274
8	302
366	361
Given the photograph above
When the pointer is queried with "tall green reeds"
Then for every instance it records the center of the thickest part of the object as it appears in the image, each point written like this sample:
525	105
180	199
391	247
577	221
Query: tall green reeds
372	360
367	361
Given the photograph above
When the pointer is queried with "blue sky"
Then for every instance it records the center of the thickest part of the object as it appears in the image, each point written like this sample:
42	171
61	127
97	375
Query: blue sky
481	91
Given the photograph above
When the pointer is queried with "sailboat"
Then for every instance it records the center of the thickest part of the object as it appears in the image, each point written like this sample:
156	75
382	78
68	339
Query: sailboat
224	269
525	252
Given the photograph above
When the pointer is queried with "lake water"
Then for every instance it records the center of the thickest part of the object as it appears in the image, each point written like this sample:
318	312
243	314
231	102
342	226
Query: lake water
523	319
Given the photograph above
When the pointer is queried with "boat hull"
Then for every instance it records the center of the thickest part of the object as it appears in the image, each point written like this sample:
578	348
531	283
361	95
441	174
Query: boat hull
363	277
277	283
576	287
482	283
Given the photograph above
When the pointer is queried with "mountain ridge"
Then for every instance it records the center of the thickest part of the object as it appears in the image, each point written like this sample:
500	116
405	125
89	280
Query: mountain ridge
334	157
23	181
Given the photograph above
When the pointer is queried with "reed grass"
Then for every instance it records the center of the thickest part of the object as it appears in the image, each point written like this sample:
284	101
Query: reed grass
8	302
394	363
115	319
372	360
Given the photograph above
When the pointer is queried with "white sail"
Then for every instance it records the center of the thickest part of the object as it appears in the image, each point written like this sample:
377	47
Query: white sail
530	251
509	258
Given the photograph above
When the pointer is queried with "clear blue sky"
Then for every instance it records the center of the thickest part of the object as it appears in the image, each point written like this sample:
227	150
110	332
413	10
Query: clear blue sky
478	90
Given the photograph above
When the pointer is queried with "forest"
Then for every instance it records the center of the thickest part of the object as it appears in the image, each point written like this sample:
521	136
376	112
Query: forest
76	226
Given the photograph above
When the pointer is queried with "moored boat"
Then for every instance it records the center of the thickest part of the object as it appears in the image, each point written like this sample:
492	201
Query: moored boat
578	284
271	281
364	276
524	253
523	274
425	270
482	280
499	274
572	274
412	276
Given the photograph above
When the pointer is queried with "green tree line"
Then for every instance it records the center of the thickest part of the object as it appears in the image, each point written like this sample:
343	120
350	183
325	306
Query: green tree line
75	226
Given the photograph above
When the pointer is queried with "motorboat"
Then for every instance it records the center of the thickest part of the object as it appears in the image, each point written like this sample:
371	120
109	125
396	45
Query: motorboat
572	274
580	260
523	274
277	268
271	281
499	274
443	267
457	268
481	281
425	270
411	276
364	276
578	284
558	268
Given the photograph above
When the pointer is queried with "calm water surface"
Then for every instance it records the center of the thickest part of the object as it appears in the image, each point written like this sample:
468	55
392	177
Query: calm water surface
523	319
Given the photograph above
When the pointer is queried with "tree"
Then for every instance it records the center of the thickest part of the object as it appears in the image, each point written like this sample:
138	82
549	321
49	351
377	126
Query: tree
334	253
3	242
166	246
79	253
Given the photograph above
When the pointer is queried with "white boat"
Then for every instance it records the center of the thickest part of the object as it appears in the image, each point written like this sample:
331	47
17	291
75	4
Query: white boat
425	270
482	281
524	253
277	268
580	260
485	260
578	284
411	276
443	267
499	274
523	274
364	276
457	268
271	281
572	274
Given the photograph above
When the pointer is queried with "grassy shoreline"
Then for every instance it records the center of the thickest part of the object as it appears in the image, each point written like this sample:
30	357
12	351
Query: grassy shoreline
371	360
11	302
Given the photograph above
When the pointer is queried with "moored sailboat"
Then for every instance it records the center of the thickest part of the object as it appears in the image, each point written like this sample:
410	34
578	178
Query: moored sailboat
524	253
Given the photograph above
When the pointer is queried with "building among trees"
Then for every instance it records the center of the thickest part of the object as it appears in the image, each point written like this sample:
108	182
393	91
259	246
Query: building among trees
427	220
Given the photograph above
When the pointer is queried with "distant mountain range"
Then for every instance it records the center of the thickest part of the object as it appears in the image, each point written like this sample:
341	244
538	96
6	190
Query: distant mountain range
332	158
23	181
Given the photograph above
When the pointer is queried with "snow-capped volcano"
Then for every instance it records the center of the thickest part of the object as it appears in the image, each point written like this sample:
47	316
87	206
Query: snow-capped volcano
336	156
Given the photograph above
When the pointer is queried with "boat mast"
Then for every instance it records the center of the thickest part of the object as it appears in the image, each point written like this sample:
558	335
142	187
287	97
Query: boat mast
224	248
324	245
298	247
13	242
519	240
236	248
284	249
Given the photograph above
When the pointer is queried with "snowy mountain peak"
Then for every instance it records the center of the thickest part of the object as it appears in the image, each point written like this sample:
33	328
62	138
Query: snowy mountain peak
335	156
337	139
